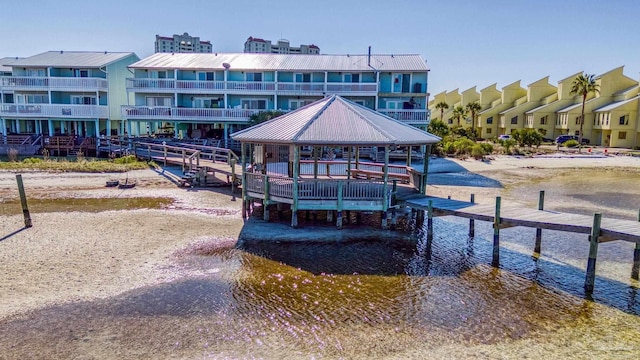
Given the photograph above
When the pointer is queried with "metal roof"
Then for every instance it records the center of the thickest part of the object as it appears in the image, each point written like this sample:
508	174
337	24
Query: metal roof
335	121
5	63
282	62
84	59
574	106
614	105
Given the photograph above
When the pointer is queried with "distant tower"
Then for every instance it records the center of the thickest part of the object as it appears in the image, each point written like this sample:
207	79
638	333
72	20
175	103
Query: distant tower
258	45
182	44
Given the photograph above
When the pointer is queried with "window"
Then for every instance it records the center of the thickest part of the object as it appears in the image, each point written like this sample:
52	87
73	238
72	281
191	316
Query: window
206	76
253	76
299	77
543	120
158	74
351	78
32	99
83	100
254	104
514	120
488	130
360	102
578	118
295	104
205	103
622	135
490	120
36	72
80	73
624	120
159	101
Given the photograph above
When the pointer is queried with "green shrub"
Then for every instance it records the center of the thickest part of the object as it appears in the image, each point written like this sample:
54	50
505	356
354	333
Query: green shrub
448	148
478	151
32	160
463	146
508	144
488	148
129	159
571	143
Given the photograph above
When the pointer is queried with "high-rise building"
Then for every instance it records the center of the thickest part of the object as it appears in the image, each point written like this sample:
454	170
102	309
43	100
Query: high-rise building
182	44
257	45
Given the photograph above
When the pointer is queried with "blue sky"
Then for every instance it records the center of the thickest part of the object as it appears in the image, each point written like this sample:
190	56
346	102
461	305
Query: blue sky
465	43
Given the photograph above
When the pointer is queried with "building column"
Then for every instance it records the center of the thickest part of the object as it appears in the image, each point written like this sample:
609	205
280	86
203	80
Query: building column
226	135
107	128
50	124
375	105
17	126
4	126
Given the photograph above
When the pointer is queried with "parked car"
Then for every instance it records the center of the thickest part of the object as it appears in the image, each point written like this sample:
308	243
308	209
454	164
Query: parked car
564	138
504	137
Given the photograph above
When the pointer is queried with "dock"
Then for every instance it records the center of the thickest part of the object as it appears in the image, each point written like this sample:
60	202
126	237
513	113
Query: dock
599	229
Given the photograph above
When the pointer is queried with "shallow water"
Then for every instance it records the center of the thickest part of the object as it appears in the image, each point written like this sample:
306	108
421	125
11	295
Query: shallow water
40	205
373	299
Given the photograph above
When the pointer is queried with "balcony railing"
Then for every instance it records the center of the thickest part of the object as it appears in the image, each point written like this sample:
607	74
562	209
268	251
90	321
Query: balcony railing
55	110
54	83
352	87
192	86
411	116
302	87
175	113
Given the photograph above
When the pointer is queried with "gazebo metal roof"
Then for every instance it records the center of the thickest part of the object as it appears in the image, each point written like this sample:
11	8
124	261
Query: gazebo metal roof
335	121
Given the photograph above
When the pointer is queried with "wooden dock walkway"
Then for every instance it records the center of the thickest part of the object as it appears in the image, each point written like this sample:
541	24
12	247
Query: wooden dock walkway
515	215
599	229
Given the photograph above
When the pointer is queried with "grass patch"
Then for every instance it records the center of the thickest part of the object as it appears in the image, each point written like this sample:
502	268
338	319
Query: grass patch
82	164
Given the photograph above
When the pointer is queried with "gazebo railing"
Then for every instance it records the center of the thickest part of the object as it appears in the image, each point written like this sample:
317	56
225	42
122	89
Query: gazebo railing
315	189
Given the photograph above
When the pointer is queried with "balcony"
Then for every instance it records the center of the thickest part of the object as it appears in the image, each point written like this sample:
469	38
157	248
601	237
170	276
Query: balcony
305	88
352	88
186	114
248	87
30	83
412	116
62	111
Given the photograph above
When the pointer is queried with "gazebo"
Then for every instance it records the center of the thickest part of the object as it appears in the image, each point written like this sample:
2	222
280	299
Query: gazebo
291	160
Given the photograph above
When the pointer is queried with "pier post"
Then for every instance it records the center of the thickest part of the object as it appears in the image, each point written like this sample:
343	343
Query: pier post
538	245
279	207
590	279
495	262
394	218
472	225
266	200
340	204
430	221
385	223
636	259
23	201
329	216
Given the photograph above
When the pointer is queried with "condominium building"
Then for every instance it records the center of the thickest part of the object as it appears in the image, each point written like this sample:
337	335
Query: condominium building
212	95
611	114
182	44
257	45
64	92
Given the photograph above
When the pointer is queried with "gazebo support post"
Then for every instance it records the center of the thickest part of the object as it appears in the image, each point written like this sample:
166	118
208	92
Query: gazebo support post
315	161
357	157
349	163
296	174
408	156
244	179
385	189
426	151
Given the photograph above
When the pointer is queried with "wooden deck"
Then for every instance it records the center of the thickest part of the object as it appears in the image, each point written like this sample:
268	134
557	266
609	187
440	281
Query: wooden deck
515	215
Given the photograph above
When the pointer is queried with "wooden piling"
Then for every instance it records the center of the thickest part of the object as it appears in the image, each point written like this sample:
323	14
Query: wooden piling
537	247
635	270
590	279
266	200
472	225
495	262
23	201
430	220
329	216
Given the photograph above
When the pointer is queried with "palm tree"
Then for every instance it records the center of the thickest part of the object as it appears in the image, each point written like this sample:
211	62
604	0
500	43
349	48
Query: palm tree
442	106
583	85
459	113
473	108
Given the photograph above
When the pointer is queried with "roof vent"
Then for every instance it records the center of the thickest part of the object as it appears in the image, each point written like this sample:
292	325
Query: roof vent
226	65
